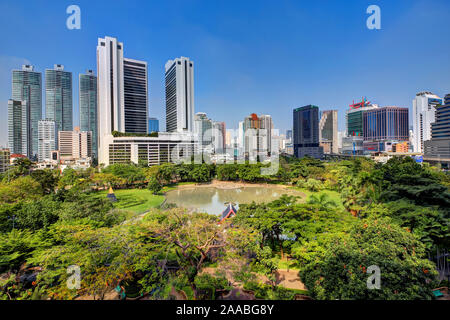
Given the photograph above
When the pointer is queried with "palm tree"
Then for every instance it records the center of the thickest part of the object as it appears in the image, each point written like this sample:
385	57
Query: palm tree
323	201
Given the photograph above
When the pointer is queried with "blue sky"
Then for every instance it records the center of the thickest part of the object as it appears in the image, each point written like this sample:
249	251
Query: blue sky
250	56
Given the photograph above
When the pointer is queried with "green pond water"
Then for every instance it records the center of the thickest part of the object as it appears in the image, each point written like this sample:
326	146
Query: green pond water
211	199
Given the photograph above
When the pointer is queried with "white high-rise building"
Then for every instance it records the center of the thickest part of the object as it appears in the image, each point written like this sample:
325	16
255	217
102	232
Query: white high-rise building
424	109
47	139
240	137
122	93
179	95
218	136
203	129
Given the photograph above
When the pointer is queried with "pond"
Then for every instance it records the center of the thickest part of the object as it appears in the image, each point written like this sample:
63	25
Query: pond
211	199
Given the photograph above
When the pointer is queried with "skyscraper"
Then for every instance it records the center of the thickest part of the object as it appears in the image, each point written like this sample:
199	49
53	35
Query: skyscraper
135	96
203	130
438	147
58	97
218	135
328	131
179	95
424	109
27	86
153	125
47	139
19	127
122	93
257	137
88	107
306	132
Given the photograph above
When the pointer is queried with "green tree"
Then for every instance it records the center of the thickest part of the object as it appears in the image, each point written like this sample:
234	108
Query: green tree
154	185
335	266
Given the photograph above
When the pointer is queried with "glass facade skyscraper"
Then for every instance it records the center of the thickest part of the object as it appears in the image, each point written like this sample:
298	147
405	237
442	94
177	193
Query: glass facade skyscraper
306	132
58	97
19	127
135	95
153	125
27	86
88	107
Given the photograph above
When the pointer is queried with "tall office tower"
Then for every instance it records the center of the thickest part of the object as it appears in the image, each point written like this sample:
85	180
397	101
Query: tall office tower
354	117
228	138
19	127
58	97
289	134
240	136
27	86
257	134
328	131
47	139
384	127
306	132
122	93
424	108
135	96
180	95
218	136
88	107
438	147
203	130
153	125
5	155
75	144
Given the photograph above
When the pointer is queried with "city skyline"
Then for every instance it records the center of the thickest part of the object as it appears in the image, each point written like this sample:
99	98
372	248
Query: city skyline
239	92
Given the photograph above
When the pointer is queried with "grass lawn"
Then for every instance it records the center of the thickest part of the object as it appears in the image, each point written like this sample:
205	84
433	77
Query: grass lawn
332	195
135	200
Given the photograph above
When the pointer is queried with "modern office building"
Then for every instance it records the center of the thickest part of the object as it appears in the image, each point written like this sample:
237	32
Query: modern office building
167	147
240	138
47	137
135	96
354	116
179	79
306	132
153	125
438	147
75	144
19	127
257	136
203	129
218	136
424	109
5	155
352	144
27	86
122	93
58	97
289	134
328	131
383	127
88	107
